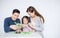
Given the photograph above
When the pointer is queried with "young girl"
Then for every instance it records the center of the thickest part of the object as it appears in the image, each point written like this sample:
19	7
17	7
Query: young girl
27	27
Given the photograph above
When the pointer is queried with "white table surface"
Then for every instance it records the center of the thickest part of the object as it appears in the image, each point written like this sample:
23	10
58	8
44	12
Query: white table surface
13	35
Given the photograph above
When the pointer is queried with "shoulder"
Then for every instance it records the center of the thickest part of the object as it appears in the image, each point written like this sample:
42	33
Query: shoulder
8	18
18	19
39	18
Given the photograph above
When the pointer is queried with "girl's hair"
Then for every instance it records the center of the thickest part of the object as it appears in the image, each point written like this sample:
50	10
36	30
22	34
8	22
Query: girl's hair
32	9
26	18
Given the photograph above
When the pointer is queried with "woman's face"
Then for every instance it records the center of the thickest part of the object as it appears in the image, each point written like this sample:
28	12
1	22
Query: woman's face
32	14
25	20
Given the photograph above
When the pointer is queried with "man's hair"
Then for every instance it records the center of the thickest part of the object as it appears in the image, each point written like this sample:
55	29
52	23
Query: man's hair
16	11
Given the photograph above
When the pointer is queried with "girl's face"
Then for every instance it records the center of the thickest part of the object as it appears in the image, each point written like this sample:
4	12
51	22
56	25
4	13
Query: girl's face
32	14
25	20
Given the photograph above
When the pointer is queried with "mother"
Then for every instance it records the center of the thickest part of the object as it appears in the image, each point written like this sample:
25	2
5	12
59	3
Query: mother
36	19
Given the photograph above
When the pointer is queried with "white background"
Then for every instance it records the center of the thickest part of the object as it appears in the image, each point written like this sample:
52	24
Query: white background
50	9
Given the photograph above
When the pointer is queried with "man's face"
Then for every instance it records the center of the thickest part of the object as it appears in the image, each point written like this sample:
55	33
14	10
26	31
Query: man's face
15	16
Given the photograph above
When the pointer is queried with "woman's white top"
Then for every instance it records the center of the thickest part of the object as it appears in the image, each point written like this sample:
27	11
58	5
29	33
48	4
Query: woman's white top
37	24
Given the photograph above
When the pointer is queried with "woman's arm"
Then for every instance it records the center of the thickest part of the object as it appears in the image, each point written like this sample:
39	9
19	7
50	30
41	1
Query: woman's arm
31	26
39	25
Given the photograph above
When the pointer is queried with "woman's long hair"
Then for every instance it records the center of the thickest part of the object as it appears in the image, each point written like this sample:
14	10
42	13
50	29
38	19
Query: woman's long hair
32	9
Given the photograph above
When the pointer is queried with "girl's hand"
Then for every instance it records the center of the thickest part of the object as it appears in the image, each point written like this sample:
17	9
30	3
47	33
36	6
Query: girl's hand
24	25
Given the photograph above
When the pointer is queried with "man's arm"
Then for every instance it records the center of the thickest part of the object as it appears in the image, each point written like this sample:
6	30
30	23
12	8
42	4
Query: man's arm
6	25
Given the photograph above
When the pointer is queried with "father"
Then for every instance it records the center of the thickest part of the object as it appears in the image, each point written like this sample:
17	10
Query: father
9	22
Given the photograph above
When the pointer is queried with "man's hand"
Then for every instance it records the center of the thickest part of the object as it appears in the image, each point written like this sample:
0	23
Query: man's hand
18	31
14	27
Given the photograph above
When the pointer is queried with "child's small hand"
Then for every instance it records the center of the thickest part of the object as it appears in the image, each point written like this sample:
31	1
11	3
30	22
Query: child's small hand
24	25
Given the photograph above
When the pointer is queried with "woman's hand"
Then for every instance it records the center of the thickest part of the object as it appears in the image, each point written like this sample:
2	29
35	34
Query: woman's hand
24	25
